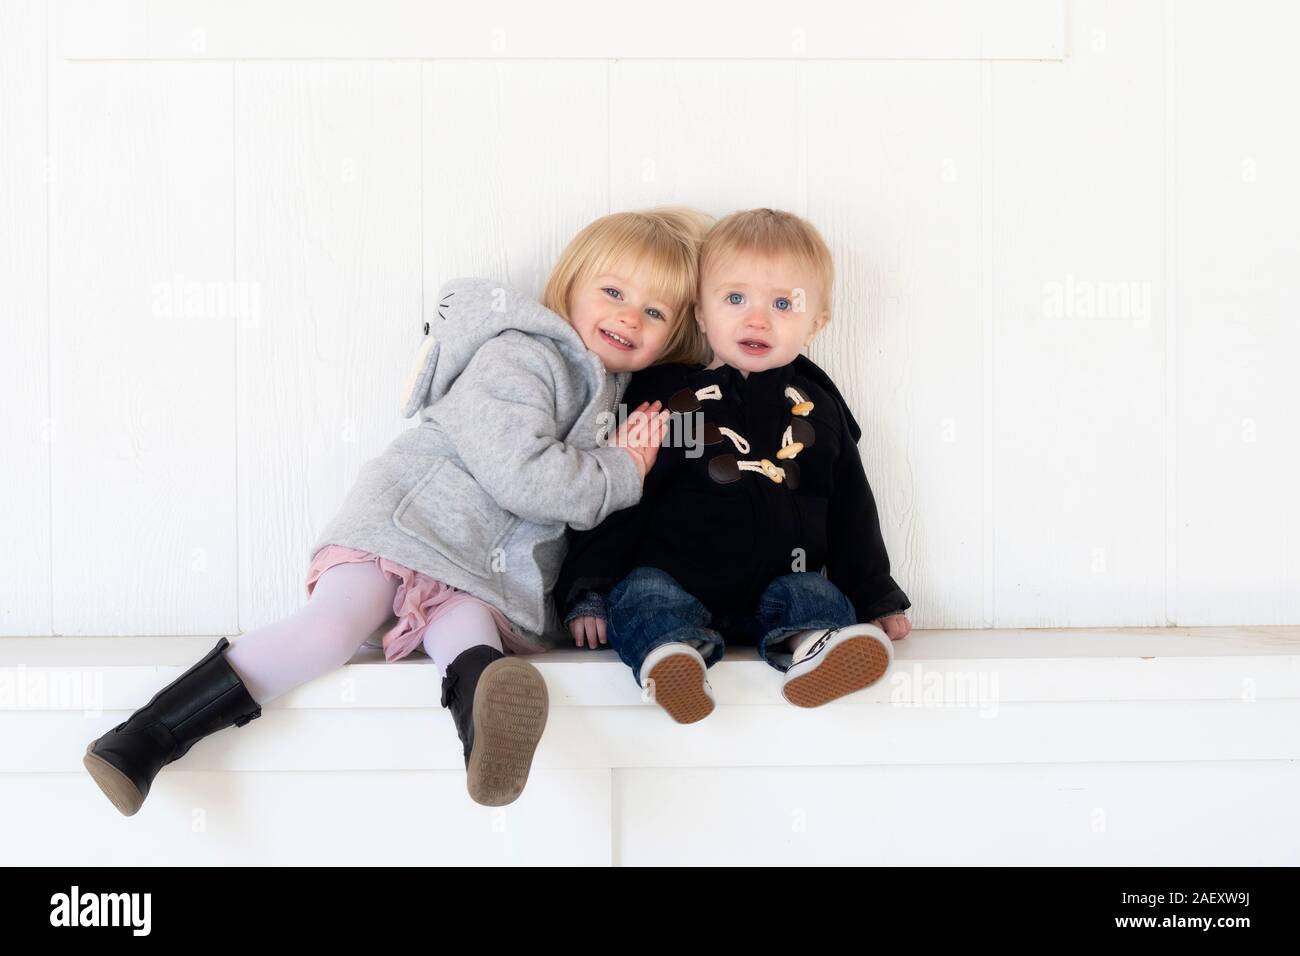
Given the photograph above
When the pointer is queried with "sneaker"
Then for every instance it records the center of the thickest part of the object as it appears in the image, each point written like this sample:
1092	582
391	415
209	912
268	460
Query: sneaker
831	663
675	677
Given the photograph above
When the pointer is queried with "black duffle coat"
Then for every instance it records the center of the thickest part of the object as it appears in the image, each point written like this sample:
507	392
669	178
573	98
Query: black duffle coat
772	483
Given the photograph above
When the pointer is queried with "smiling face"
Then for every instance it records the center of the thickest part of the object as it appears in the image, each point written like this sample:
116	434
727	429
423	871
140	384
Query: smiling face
759	312
620	318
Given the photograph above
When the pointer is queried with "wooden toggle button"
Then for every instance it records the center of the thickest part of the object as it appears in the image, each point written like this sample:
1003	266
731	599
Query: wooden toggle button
683	400
802	431
723	469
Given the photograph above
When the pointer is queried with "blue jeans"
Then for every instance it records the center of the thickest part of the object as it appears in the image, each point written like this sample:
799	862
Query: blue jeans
649	608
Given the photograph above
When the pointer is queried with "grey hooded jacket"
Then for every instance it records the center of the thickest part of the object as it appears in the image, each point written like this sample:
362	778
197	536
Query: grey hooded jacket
509	450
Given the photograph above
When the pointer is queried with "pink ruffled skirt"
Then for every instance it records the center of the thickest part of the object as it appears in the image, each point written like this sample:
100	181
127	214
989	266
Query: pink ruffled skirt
419	601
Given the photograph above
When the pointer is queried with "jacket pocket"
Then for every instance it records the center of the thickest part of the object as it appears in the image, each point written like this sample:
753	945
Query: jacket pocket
450	512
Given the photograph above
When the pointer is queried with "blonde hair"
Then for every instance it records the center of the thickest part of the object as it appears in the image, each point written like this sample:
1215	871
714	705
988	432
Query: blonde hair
771	233
667	239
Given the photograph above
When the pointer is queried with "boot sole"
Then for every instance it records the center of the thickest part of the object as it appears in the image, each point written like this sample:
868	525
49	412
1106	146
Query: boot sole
678	682
849	667
116	785
510	709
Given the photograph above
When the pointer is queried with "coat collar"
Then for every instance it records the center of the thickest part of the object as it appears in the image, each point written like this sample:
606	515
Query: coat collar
776	379
756	383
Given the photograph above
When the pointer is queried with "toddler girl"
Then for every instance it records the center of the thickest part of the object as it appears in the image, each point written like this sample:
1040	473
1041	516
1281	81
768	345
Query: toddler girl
458	528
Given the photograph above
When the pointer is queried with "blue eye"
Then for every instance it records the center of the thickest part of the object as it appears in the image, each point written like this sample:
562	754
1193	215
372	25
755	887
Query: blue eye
735	298
615	292
785	307
654	313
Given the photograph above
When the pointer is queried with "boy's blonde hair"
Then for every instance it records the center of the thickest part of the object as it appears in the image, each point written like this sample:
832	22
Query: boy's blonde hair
667	239
770	232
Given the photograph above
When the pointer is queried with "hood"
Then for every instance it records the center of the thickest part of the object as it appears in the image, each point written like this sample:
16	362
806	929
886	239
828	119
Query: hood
469	312
811	370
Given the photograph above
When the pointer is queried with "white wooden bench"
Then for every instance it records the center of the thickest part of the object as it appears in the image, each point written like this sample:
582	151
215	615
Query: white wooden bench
1098	746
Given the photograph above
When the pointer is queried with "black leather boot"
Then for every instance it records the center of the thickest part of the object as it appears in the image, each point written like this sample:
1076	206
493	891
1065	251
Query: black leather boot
206	698
500	706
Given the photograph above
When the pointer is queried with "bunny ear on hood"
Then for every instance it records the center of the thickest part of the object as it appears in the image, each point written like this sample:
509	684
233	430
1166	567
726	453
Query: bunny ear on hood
470	311
811	370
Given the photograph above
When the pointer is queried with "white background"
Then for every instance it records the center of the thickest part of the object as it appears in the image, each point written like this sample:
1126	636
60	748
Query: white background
1065	234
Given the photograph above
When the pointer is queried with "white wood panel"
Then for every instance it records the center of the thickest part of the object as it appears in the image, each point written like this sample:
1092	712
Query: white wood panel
1135	466
328	237
720	136
1236	157
990	731
377	765
1078	251
249	29
893	182
981	815
142	348
1083	814
508	181
96	674
24	322
308	819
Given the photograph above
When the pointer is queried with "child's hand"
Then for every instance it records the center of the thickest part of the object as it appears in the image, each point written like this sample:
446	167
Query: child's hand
589	629
641	433
896	625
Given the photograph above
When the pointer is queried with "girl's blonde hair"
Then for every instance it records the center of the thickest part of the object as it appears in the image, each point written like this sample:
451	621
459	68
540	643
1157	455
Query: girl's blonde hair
667	239
770	233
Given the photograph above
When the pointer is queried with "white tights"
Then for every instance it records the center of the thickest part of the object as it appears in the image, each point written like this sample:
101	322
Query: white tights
348	603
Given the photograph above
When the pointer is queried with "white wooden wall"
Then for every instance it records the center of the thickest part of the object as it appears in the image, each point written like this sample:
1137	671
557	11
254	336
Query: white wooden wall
1066	236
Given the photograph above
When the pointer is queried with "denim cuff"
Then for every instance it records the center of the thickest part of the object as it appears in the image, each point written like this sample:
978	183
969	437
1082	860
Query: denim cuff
590	604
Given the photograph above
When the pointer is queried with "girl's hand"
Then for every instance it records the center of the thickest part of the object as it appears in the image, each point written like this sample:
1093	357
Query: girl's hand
896	625
589	629
641	433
